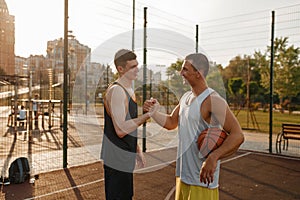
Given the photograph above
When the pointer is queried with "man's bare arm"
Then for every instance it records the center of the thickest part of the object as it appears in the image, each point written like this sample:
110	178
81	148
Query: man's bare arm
168	121
117	103
221	111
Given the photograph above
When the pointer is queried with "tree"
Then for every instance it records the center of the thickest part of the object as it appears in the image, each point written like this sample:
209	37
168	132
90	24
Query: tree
286	79
238	69
215	81
236	88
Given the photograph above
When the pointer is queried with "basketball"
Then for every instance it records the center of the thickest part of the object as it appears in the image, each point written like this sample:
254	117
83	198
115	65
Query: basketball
210	139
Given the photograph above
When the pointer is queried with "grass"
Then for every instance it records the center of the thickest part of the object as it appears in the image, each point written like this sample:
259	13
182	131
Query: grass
262	119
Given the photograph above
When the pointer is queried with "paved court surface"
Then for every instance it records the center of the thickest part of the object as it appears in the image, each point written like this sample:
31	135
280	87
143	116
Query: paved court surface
251	174
84	144
245	175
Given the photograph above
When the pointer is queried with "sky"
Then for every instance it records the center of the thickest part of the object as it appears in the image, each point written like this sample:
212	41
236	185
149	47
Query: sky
95	21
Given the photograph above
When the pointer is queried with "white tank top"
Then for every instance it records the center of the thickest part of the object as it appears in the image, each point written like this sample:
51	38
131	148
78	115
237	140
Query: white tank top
191	124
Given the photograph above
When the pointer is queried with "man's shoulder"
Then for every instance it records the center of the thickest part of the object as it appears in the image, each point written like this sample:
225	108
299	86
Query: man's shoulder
216	96
214	100
115	89
115	93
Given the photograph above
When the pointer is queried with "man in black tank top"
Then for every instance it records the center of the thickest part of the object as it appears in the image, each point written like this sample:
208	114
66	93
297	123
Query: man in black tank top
120	150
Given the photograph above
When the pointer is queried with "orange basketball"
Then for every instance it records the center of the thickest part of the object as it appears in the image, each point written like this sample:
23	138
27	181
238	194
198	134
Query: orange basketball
210	139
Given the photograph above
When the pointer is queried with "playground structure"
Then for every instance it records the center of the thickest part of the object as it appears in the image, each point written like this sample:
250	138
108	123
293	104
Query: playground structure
250	117
48	110
250	110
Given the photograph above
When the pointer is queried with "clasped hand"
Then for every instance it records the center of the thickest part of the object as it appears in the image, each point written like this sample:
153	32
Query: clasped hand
151	106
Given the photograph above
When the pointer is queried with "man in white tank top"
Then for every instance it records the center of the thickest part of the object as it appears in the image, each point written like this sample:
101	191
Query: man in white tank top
197	177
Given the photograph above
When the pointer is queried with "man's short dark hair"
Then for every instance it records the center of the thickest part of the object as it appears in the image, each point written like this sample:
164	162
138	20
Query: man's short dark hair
199	62
122	56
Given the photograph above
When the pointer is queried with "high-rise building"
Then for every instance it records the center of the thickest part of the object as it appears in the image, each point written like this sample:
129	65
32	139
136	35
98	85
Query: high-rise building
7	39
78	56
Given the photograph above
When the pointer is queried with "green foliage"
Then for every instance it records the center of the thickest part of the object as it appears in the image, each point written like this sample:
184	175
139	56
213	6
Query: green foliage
215	80
237	67
286	79
235	86
286	69
232	80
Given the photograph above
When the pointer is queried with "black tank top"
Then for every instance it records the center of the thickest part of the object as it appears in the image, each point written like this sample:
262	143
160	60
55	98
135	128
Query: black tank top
119	153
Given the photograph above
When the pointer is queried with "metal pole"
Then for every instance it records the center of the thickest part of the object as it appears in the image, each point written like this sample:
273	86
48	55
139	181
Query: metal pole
87	97
168	93
271	84
197	37
248	92
30	105
65	88
150	77
133	24
30	122
16	104
144	74
107	78
133	29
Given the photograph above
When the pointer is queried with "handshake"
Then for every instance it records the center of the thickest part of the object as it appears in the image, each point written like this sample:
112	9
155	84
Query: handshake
151	106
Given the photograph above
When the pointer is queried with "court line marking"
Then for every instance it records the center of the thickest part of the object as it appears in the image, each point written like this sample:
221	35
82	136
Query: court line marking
138	170
170	193
66	189
96	181
224	161
235	157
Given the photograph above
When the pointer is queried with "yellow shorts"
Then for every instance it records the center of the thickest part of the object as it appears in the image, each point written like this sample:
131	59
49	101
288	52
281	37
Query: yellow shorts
191	192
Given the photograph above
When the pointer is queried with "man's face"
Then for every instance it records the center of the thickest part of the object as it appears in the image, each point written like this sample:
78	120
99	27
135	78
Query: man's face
131	70
188	72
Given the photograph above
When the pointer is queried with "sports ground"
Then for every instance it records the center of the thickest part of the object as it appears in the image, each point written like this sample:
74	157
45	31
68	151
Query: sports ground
251	173
245	175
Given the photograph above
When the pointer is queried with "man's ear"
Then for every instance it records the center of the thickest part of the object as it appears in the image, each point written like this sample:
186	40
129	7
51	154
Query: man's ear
120	69
200	73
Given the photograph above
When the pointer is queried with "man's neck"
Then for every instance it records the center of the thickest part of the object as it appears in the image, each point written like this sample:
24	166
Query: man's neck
199	88
128	85
125	82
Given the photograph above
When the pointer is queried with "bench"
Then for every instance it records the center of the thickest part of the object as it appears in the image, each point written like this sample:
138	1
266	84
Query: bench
288	132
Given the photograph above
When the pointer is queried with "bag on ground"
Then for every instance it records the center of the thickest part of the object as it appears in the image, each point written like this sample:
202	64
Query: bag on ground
19	170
